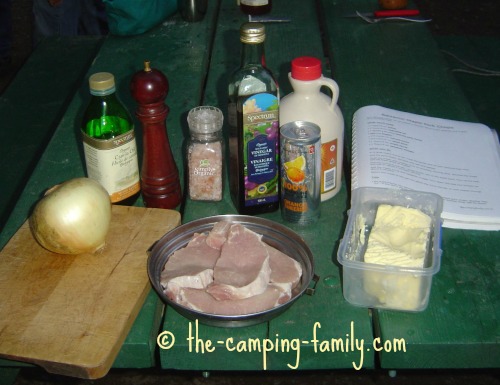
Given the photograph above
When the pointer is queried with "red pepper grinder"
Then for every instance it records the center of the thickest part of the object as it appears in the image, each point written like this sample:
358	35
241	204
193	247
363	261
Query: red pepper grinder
160	183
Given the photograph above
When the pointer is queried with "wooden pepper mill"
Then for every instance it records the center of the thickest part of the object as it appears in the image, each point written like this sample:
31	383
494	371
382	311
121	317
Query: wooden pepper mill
160	183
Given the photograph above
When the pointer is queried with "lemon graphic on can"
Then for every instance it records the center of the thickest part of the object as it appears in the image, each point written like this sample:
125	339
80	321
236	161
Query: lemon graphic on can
295	169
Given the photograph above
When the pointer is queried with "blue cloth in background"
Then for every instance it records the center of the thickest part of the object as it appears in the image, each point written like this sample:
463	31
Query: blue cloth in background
133	17
68	18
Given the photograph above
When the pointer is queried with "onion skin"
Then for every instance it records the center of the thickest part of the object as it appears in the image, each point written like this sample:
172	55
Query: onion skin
73	217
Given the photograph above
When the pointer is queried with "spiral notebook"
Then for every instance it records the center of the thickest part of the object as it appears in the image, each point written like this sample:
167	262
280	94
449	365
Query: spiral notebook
458	160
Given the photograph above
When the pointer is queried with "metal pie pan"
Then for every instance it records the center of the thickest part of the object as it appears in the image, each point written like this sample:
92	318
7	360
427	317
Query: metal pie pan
274	234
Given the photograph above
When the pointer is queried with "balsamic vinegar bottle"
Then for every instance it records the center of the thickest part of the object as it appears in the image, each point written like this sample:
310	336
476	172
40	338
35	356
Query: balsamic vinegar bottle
109	142
253	118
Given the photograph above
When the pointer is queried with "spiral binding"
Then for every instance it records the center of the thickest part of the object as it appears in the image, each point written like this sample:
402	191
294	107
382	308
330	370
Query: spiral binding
354	161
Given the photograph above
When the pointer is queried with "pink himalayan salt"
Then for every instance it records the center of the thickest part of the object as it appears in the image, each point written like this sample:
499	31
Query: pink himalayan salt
205	171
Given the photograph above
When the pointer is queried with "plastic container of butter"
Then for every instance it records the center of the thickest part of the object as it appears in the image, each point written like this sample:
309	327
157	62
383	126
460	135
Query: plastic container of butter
381	285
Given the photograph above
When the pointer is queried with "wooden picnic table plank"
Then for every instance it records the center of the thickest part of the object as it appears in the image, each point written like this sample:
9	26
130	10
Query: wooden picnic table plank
183	355
32	106
399	65
178	49
467	57
460	327
372	64
284	41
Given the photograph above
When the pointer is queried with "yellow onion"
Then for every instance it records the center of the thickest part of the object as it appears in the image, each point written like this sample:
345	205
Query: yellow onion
73	217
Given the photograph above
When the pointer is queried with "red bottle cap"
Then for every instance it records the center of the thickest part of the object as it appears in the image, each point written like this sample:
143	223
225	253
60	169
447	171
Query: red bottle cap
306	68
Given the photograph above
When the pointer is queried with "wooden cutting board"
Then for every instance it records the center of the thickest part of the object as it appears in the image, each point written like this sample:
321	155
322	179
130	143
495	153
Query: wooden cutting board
71	314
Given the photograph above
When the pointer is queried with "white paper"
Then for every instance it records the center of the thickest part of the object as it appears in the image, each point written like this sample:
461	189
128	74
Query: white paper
457	160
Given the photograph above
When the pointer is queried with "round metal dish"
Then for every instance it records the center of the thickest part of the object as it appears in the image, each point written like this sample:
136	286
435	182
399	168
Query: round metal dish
273	233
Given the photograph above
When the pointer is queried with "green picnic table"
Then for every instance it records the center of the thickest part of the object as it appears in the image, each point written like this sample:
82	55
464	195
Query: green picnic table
397	65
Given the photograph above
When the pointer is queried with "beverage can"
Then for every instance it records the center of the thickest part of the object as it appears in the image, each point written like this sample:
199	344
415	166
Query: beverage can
300	148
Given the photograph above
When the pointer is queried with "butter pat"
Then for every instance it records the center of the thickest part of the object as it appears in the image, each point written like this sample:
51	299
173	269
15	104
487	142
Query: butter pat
399	237
391	251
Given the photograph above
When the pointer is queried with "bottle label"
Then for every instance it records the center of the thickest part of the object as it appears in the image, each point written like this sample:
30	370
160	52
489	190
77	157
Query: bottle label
113	163
254	3
205	171
260	141
328	165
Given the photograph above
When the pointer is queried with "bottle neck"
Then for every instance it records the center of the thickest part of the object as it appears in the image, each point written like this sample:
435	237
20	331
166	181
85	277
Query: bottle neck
253	54
109	91
305	86
110	98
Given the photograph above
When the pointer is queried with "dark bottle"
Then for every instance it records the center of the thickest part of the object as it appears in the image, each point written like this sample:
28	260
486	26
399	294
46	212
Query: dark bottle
253	128
109	141
256	7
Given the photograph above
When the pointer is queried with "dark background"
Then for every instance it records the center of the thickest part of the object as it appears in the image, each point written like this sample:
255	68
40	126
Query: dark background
449	17
462	17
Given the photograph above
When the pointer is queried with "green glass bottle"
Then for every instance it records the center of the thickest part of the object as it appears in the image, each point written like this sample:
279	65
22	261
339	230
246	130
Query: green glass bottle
253	112
109	141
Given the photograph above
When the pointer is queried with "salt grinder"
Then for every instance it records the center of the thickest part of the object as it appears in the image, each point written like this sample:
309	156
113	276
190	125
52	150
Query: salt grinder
160	183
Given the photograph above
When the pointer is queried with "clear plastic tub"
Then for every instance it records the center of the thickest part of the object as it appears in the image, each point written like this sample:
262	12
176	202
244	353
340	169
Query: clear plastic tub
381	285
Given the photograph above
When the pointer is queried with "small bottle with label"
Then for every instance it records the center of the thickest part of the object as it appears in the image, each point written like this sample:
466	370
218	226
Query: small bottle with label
204	153
256	7
308	103
253	112
109	141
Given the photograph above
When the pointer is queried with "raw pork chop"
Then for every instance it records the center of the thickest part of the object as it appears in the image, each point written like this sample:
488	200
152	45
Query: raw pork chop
284	269
200	300
243	268
218	235
191	266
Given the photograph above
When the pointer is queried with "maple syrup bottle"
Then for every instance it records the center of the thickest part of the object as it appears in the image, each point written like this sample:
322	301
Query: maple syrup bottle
308	103
256	7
